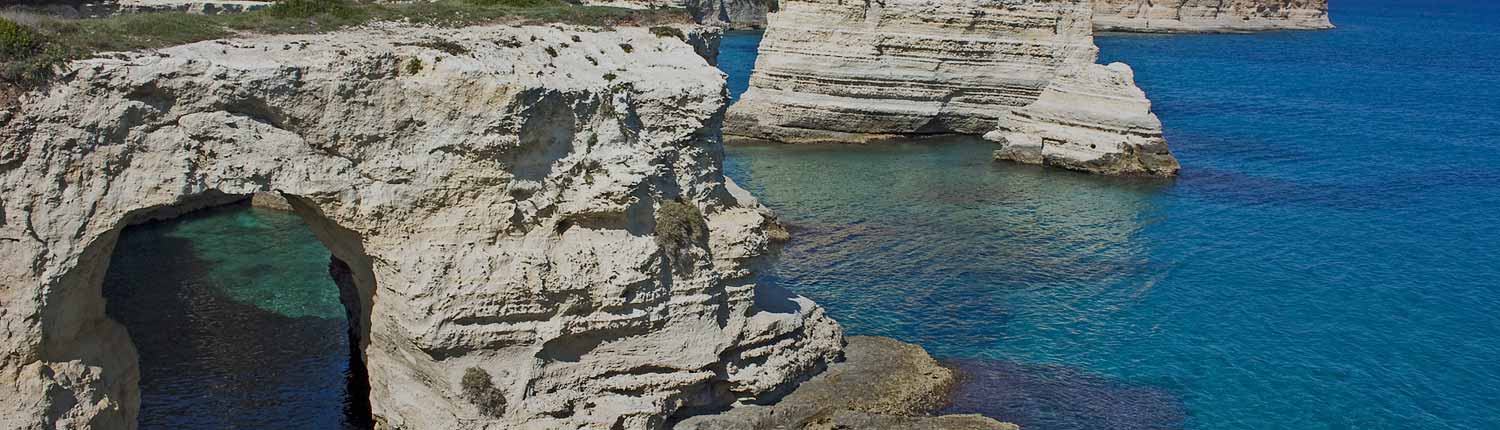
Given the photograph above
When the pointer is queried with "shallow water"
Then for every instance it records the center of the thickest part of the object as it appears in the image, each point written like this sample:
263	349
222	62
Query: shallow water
1328	258
237	322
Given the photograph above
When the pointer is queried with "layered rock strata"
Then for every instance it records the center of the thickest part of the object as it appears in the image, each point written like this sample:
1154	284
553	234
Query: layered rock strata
883	384
493	191
1210	16
851	72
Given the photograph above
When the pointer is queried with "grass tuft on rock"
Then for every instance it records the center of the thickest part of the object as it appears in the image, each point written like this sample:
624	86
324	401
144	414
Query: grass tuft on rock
679	225
34	48
479	390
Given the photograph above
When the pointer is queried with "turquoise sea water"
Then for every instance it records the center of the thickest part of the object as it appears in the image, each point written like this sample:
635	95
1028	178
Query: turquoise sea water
237	322
1328	259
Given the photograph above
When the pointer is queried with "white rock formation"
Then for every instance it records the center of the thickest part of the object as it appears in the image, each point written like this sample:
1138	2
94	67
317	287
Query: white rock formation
1210	16
1092	118
835	71
496	205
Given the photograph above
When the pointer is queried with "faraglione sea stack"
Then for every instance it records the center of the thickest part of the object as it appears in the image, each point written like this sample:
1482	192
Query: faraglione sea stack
1021	73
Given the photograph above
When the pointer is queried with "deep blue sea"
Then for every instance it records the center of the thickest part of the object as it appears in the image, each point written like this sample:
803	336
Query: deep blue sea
1329	257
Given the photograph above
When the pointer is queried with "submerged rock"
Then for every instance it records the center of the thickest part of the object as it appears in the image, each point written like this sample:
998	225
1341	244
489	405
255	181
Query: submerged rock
1210	16
493	192
882	384
851	72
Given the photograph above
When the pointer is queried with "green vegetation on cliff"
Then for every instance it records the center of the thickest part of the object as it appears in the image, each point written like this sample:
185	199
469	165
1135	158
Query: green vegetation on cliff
33	47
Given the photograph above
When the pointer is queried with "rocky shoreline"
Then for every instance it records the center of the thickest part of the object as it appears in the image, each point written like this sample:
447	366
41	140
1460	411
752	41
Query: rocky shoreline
882	383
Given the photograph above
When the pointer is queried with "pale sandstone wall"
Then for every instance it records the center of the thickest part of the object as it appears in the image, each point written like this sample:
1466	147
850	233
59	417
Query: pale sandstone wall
495	207
1210	16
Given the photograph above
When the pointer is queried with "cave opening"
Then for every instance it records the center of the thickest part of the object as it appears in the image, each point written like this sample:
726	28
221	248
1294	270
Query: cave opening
241	318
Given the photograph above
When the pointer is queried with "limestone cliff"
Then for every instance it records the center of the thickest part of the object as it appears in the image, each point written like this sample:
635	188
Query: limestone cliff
834	71
494	191
1210	16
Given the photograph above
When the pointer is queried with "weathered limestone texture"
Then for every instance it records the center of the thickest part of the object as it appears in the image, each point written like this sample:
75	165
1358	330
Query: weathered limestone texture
496	207
884	384
1210	16
852	72
1092	118
734	14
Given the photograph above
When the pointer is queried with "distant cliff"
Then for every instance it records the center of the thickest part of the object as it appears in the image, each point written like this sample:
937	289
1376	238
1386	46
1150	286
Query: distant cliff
1209	16
736	14
1175	16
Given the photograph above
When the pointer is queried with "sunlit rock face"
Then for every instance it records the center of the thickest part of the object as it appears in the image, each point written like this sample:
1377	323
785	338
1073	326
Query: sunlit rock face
1210	16
495	203
851	72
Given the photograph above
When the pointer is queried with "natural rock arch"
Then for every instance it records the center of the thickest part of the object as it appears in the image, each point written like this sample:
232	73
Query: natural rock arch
496	207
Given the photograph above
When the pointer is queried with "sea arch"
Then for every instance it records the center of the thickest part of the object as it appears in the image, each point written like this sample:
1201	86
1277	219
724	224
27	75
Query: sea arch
498	212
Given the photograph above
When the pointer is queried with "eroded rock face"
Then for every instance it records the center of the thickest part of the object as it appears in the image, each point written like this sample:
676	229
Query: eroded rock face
850	72
495	206
1210	16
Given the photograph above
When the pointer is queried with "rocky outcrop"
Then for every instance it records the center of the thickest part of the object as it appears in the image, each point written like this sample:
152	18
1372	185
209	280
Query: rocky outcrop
734	14
1210	16
883	384
850	72
493	191
1091	118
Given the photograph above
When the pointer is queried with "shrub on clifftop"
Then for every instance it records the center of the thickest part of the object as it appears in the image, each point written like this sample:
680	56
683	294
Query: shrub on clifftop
24	54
